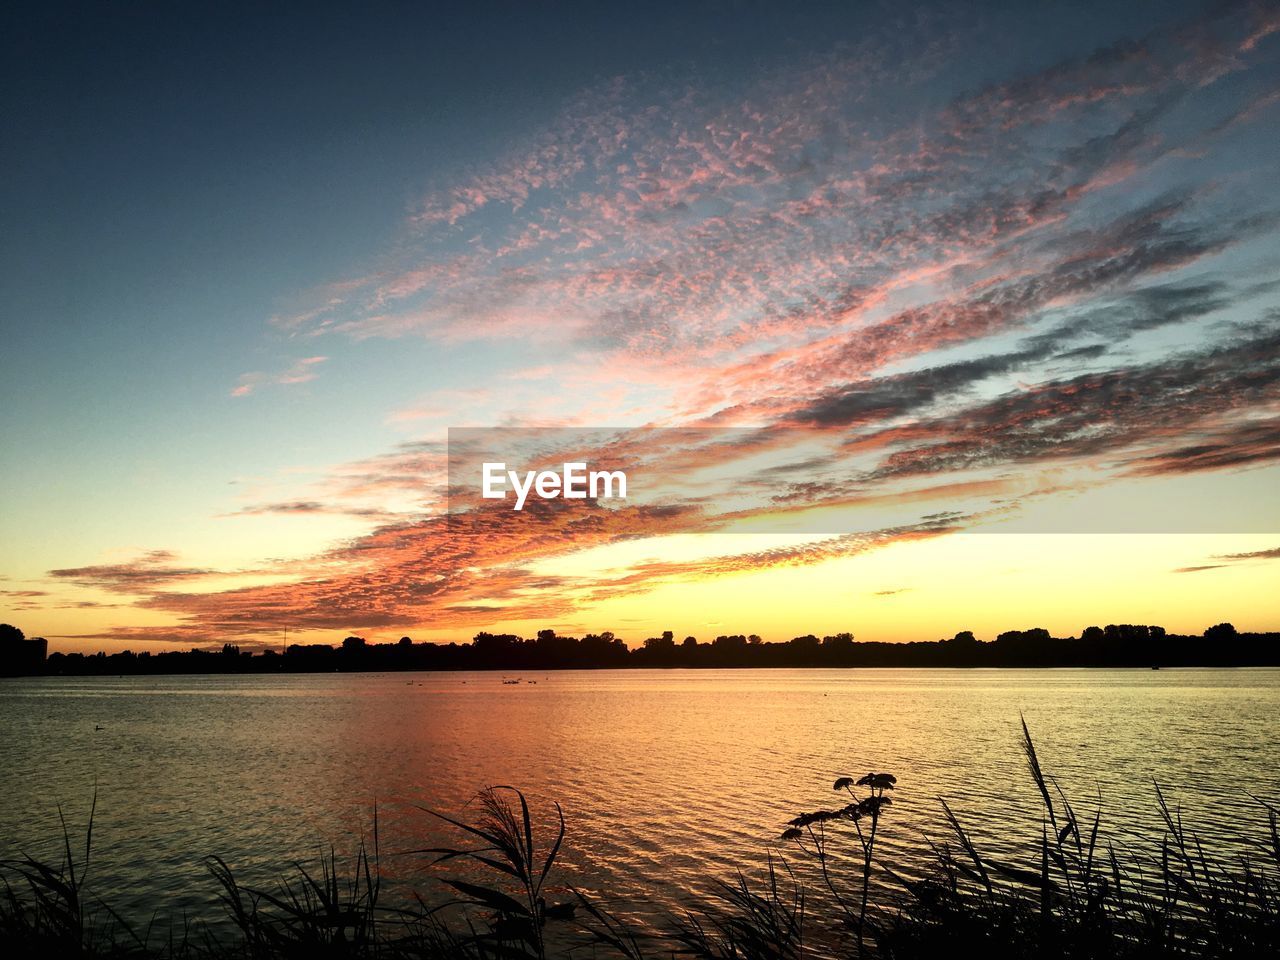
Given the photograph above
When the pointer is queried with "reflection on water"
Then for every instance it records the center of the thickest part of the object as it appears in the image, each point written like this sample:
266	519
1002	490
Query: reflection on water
668	778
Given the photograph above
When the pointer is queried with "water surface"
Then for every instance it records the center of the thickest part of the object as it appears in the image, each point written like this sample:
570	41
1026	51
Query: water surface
667	778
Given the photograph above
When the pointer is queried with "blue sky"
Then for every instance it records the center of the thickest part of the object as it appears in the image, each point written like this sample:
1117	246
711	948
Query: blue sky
259	261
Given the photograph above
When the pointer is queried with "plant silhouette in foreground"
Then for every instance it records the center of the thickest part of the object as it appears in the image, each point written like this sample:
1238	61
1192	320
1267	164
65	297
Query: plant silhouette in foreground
745	924
1084	896
49	912
809	832
311	915
505	831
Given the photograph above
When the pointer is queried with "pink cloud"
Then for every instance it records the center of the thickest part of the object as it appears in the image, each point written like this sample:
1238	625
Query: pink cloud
300	371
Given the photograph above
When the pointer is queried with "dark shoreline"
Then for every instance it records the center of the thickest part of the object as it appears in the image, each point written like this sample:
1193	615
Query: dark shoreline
1115	646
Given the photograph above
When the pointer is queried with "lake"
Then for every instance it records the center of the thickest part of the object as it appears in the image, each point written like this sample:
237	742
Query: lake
668	779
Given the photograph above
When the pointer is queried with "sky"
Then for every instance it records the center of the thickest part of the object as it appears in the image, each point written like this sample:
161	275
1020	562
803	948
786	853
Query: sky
972	313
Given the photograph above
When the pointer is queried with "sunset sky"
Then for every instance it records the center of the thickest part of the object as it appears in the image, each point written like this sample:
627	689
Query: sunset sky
996	289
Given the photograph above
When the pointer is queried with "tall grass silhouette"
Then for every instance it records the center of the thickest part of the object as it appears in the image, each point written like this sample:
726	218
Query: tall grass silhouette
1084	896
329	913
508	851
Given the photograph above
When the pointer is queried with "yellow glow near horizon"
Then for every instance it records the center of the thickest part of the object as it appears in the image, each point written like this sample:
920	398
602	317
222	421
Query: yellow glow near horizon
984	582
919	590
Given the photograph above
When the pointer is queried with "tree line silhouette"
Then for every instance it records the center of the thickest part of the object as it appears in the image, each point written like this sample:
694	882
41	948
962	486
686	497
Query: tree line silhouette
1116	645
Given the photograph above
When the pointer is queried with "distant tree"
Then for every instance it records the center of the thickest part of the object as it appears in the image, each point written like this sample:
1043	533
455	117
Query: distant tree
353	644
1131	632
493	646
1024	636
18	655
406	642
663	643
1221	631
1092	634
689	642
964	636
